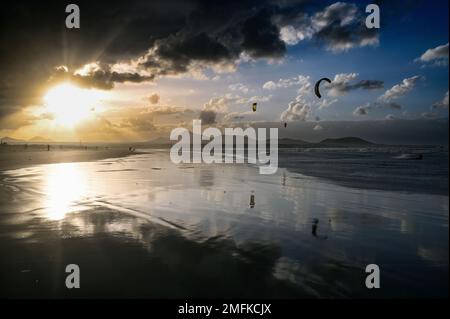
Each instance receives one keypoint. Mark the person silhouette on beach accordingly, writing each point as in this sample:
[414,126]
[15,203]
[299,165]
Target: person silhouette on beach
[252,201]
[315,225]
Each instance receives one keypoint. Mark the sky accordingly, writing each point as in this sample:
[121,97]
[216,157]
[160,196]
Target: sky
[135,70]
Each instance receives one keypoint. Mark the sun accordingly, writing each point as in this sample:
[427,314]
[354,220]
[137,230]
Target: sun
[70,104]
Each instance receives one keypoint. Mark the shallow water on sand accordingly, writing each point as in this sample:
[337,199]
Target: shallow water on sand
[141,226]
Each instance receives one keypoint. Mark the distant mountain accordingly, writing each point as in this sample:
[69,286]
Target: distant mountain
[40,139]
[7,139]
[159,141]
[345,141]
[290,141]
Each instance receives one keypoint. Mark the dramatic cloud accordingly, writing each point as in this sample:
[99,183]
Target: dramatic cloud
[298,110]
[137,40]
[95,75]
[132,41]
[261,36]
[341,26]
[342,83]
[220,103]
[400,90]
[437,55]
[291,36]
[208,117]
[34,42]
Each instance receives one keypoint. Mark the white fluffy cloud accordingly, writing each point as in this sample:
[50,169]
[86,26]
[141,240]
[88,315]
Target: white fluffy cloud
[220,103]
[304,104]
[386,100]
[400,90]
[339,83]
[291,35]
[239,87]
[437,55]
[298,110]
[300,80]
[443,104]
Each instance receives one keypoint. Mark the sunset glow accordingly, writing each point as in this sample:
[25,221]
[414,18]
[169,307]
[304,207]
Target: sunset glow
[70,104]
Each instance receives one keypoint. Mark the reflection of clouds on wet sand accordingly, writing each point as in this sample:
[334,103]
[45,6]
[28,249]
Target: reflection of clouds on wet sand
[121,255]
[296,234]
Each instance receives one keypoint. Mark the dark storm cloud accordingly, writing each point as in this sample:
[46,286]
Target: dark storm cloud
[174,54]
[218,32]
[167,35]
[208,117]
[261,36]
[368,85]
[340,37]
[343,87]
[162,37]
[342,26]
[34,40]
[102,78]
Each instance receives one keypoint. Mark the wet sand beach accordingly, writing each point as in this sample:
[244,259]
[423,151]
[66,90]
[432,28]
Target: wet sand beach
[141,226]
[18,156]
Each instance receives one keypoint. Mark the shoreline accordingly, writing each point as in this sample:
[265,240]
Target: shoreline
[18,157]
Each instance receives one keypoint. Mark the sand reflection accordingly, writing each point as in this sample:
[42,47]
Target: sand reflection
[65,186]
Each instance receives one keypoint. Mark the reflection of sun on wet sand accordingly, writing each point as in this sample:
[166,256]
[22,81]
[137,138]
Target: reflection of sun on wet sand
[16,156]
[142,226]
